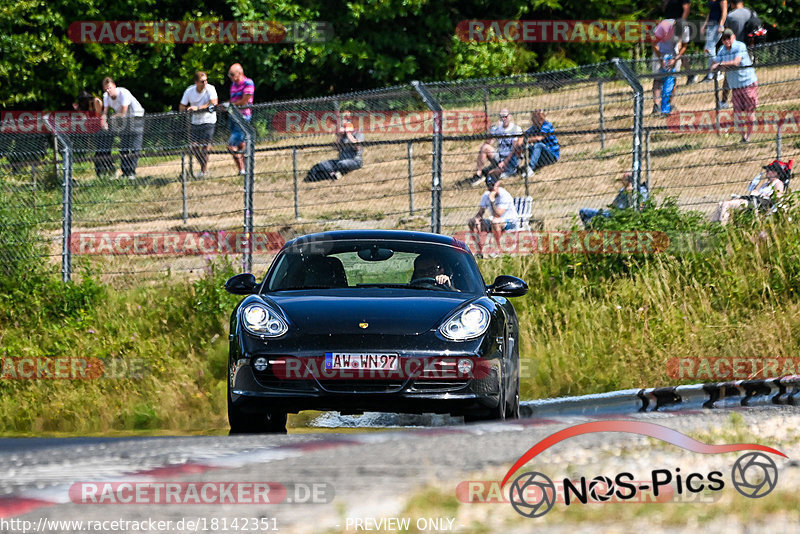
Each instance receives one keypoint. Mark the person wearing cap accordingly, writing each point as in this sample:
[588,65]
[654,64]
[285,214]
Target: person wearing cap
[499,204]
[503,161]
[778,175]
[623,200]
[743,81]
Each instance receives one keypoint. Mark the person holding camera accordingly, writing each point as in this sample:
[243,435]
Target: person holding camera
[201,99]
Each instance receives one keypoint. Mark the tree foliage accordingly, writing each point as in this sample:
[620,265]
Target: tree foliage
[375,43]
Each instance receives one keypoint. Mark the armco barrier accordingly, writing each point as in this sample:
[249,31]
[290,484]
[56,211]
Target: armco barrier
[763,392]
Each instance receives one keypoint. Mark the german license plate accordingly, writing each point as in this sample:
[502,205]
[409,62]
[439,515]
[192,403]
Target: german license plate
[368,361]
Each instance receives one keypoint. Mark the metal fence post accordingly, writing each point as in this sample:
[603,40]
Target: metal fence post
[647,158]
[66,210]
[601,105]
[410,179]
[436,153]
[183,188]
[249,181]
[638,119]
[296,189]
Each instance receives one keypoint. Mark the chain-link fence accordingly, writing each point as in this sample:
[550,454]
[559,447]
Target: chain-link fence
[148,195]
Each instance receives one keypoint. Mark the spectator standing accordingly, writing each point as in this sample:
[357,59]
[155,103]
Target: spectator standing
[503,160]
[500,206]
[678,10]
[671,40]
[93,107]
[712,28]
[199,98]
[127,121]
[743,81]
[349,143]
[242,93]
[736,21]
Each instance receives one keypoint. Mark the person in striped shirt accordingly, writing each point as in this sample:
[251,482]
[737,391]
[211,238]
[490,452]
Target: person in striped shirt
[543,147]
[242,91]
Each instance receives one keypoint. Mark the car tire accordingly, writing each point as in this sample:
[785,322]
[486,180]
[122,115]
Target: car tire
[512,407]
[268,422]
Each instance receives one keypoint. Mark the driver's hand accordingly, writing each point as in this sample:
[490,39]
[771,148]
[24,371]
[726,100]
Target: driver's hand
[442,279]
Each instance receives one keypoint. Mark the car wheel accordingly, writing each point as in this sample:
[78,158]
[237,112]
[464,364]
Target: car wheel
[512,408]
[268,422]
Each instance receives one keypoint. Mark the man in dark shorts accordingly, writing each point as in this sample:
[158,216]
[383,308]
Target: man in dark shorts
[197,98]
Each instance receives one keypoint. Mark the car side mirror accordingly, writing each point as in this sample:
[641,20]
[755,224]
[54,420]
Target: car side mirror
[508,286]
[242,284]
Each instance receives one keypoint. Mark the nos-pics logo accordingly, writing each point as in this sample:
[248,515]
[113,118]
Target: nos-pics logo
[533,494]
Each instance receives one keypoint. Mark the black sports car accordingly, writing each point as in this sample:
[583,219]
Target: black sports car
[372,320]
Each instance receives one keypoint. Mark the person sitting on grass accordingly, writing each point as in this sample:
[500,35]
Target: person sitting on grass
[764,198]
[503,161]
[623,200]
[500,205]
[542,143]
[348,142]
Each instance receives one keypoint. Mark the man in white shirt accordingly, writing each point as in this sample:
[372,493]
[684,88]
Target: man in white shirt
[500,205]
[128,121]
[197,98]
[497,157]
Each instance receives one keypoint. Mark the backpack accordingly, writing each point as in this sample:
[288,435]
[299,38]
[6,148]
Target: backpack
[754,30]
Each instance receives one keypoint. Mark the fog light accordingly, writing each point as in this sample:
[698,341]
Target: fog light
[464,366]
[260,364]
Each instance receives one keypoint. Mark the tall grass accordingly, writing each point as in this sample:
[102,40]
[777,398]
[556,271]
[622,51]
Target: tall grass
[167,346]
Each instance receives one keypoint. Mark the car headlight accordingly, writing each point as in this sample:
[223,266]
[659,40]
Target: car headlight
[262,320]
[468,323]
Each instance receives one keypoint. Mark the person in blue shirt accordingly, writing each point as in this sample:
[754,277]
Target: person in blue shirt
[733,58]
[543,147]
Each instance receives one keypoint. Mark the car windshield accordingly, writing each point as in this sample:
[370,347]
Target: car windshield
[375,263]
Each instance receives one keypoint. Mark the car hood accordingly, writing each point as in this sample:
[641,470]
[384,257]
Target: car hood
[406,312]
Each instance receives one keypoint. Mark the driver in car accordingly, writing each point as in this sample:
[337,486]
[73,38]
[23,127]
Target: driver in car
[427,266]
